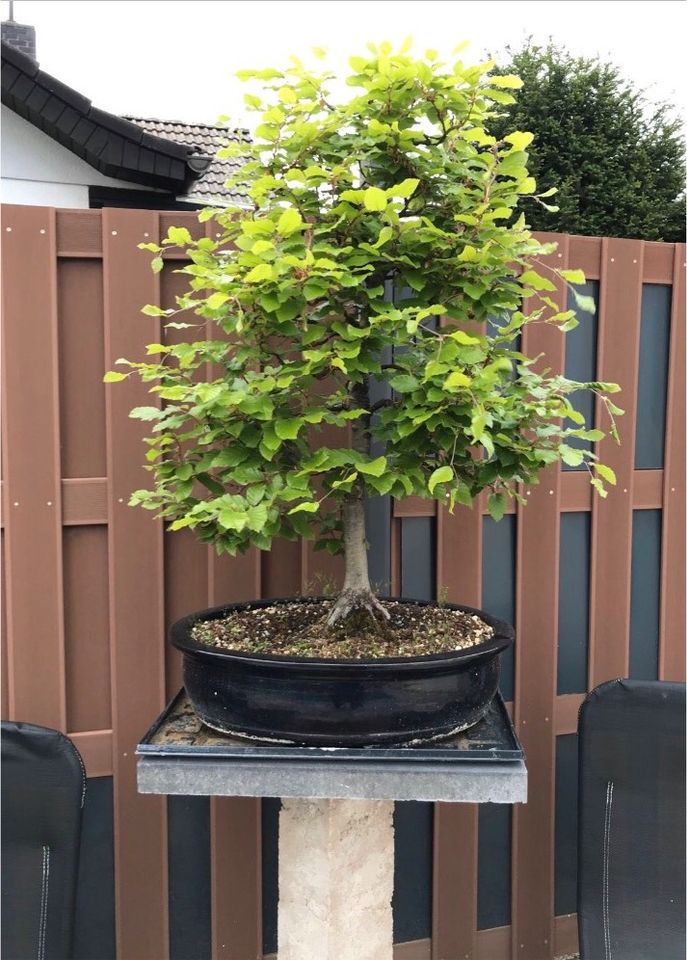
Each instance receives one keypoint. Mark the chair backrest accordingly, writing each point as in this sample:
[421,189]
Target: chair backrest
[43,791]
[631,838]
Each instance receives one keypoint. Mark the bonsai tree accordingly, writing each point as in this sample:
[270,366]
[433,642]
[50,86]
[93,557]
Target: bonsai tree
[402,185]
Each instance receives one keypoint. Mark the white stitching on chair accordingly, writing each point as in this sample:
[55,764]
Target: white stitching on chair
[606,859]
[43,918]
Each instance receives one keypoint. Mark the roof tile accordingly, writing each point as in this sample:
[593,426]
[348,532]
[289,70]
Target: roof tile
[205,139]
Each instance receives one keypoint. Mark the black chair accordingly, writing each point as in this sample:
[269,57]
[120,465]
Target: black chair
[631,839]
[43,791]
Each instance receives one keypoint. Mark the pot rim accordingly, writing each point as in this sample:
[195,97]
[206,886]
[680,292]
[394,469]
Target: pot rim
[180,637]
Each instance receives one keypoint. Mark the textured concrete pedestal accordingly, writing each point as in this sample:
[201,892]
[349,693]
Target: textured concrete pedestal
[336,878]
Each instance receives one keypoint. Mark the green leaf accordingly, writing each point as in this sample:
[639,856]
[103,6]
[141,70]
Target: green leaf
[606,472]
[288,429]
[232,519]
[156,264]
[404,383]
[507,82]
[456,380]
[385,234]
[440,475]
[256,517]
[309,506]
[287,95]
[146,413]
[571,456]
[216,300]
[375,199]
[585,303]
[599,487]
[114,376]
[375,468]
[520,139]
[477,425]
[150,310]
[496,505]
[179,236]
[263,271]
[573,276]
[181,523]
[404,189]
[536,281]
[465,338]
[289,221]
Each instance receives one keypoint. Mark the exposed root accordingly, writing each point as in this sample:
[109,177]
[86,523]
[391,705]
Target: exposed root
[363,602]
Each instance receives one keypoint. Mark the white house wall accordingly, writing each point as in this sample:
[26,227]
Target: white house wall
[38,171]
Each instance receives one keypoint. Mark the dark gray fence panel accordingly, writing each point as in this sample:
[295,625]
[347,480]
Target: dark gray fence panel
[645,602]
[573,602]
[652,382]
[494,866]
[498,583]
[565,888]
[188,832]
[94,929]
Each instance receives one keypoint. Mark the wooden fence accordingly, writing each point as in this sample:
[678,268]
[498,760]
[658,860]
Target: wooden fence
[90,584]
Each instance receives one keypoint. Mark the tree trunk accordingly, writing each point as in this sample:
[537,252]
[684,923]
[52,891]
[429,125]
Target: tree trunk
[357,593]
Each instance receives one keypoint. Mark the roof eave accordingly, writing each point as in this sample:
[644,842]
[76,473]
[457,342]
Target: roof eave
[115,147]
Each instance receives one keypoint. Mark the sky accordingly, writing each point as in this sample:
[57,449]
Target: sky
[176,59]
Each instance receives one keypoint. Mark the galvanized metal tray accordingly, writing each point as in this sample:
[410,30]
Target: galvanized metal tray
[178,732]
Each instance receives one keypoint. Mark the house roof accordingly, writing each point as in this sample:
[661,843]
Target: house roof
[204,139]
[115,146]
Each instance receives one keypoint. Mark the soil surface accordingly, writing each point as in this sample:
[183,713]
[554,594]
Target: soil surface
[300,629]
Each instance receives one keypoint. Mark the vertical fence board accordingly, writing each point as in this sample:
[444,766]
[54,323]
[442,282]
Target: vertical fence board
[672,632]
[236,822]
[136,601]
[454,893]
[32,490]
[535,677]
[619,326]
[186,558]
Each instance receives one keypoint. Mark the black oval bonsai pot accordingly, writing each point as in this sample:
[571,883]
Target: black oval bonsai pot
[339,703]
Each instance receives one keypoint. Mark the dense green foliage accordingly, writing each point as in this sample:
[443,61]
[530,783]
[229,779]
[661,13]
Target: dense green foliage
[618,163]
[402,182]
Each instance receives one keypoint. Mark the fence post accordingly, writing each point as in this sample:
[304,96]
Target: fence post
[535,674]
[136,594]
[672,646]
[31,447]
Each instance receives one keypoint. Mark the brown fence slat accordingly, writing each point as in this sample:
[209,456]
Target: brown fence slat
[584,253]
[235,822]
[620,305]
[95,747]
[454,879]
[672,635]
[535,676]
[31,453]
[136,604]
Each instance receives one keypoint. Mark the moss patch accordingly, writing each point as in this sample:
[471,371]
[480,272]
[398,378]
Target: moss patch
[300,629]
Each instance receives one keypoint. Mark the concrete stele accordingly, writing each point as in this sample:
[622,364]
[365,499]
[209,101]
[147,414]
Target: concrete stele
[336,877]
